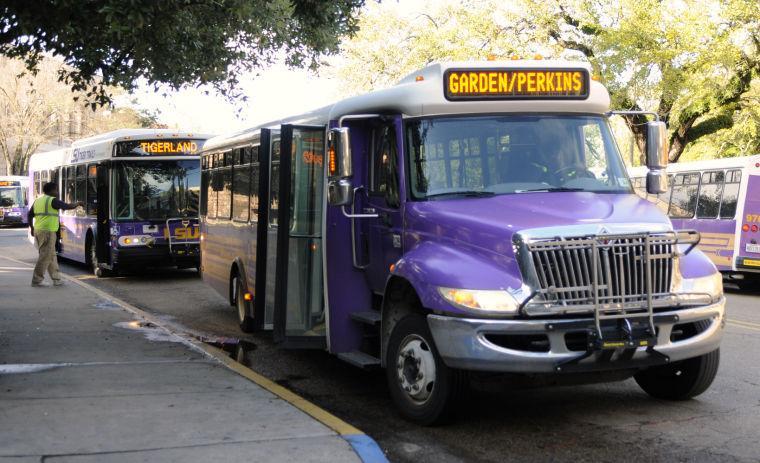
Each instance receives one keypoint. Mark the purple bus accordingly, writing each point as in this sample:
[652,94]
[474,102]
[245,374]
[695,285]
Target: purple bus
[140,188]
[719,198]
[476,218]
[14,202]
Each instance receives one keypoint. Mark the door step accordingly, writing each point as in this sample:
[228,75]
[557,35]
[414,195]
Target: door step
[369,317]
[359,359]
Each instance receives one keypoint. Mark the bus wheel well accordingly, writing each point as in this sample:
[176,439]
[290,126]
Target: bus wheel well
[400,300]
[234,273]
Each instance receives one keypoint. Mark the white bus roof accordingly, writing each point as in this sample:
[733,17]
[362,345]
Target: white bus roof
[99,147]
[711,164]
[421,93]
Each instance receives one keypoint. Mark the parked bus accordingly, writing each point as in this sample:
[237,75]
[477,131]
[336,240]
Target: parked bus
[476,217]
[140,188]
[721,199]
[14,202]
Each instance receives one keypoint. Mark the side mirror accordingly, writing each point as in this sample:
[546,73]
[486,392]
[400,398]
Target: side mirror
[657,182]
[657,145]
[339,170]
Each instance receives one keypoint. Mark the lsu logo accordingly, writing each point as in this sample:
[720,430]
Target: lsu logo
[187,233]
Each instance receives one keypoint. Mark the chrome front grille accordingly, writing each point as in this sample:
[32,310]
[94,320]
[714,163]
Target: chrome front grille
[603,272]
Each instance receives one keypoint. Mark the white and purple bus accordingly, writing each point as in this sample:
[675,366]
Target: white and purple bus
[721,199]
[14,199]
[476,218]
[140,188]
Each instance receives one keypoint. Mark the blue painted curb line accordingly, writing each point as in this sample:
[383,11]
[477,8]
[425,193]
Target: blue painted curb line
[366,448]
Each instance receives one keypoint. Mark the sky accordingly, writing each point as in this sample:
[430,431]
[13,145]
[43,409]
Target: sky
[273,93]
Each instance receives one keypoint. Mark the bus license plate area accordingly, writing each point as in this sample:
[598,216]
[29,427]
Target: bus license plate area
[754,248]
[622,334]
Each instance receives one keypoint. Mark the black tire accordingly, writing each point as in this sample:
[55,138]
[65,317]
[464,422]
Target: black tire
[681,380]
[243,307]
[431,403]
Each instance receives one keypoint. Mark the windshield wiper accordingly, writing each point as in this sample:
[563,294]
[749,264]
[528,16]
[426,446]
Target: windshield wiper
[549,190]
[469,193]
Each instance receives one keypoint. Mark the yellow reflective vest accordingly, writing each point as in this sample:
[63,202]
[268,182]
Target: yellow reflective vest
[45,217]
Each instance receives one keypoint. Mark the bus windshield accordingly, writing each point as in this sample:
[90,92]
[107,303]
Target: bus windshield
[150,190]
[510,154]
[10,197]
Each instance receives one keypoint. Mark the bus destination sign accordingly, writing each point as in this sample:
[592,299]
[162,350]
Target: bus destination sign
[145,148]
[515,84]
[10,183]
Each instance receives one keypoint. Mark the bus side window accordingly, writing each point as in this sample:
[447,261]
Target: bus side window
[683,200]
[274,184]
[70,186]
[730,194]
[203,206]
[92,190]
[213,187]
[384,165]
[81,188]
[254,201]
[709,195]
[241,185]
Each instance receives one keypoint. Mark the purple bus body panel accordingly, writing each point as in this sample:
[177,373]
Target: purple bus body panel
[717,241]
[751,207]
[73,236]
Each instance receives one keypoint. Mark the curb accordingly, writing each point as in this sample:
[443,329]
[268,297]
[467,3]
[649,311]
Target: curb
[364,446]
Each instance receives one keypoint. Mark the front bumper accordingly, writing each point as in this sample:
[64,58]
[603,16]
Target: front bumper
[462,342]
[158,255]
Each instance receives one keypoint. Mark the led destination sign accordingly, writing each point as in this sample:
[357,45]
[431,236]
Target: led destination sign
[151,148]
[505,84]
[10,183]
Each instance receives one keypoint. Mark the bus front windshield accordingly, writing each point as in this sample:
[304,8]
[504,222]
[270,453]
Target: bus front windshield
[151,190]
[510,154]
[10,197]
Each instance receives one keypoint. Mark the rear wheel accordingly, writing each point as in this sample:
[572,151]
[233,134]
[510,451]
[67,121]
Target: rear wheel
[243,307]
[681,380]
[423,388]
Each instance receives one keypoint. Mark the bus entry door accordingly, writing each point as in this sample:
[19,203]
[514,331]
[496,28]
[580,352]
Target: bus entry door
[381,236]
[103,229]
[299,315]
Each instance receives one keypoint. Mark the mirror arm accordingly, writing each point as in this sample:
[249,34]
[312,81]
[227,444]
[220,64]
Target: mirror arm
[633,113]
[355,116]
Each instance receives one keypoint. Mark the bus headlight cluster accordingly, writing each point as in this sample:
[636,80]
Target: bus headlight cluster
[498,301]
[703,289]
[136,240]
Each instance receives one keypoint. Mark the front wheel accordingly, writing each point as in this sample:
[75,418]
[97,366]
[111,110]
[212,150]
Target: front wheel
[244,318]
[423,388]
[681,380]
[92,260]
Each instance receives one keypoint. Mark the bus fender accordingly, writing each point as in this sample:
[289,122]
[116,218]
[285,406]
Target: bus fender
[239,267]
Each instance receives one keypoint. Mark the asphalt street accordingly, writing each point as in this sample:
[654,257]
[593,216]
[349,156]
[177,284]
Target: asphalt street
[608,422]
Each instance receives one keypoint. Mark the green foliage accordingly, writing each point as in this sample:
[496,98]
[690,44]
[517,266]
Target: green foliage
[691,61]
[176,42]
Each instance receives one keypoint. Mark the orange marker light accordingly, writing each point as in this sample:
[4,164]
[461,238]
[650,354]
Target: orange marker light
[248,297]
[333,163]
[745,227]
[595,78]
[538,56]
[419,78]
[514,57]
[393,267]
[491,58]
[313,246]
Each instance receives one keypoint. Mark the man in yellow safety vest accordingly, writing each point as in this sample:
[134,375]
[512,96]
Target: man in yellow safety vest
[43,222]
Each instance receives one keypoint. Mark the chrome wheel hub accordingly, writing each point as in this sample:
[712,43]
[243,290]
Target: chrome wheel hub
[415,368]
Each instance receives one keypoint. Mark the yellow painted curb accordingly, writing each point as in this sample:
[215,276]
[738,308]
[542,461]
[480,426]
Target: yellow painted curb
[321,415]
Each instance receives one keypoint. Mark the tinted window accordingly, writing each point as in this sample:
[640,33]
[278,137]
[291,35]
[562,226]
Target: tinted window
[274,184]
[205,178]
[241,190]
[710,193]
[254,203]
[224,194]
[730,194]
[384,165]
[683,200]
[92,190]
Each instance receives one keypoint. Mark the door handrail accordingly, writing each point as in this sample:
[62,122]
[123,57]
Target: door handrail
[353,218]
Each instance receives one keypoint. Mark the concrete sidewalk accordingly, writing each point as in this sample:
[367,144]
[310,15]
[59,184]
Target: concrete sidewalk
[82,380]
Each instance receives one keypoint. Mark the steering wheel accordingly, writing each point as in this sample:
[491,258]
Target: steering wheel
[565,174]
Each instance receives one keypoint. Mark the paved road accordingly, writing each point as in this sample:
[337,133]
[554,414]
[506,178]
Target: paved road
[609,422]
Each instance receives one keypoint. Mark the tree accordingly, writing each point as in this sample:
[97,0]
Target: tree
[691,62]
[39,109]
[175,42]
